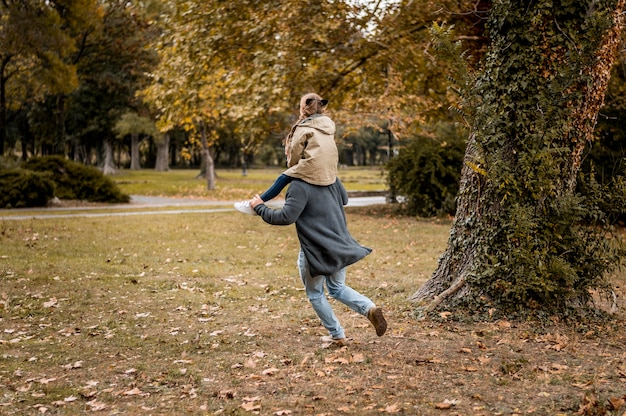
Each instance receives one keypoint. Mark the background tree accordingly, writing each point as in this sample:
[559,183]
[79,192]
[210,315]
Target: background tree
[521,237]
[36,41]
[133,125]
[607,155]
[112,66]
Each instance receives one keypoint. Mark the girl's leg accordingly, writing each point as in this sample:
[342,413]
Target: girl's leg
[279,184]
[314,288]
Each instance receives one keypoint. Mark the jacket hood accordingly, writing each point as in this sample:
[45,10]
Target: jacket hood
[319,122]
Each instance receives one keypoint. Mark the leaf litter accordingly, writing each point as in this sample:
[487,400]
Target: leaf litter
[243,341]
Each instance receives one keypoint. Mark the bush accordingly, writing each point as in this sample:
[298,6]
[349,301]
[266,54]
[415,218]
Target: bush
[76,181]
[23,188]
[426,173]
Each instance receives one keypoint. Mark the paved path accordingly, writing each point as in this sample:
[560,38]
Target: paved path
[138,202]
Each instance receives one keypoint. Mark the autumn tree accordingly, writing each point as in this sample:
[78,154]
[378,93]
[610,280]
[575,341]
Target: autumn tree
[225,61]
[112,65]
[522,238]
[133,125]
[395,81]
[36,41]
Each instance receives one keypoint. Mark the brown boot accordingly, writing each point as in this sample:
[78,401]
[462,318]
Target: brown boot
[375,315]
[340,342]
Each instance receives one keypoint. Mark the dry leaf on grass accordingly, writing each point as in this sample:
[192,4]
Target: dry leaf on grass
[270,371]
[447,404]
[96,406]
[250,404]
[393,408]
[133,392]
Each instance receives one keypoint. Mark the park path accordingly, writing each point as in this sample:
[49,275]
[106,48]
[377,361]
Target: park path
[146,205]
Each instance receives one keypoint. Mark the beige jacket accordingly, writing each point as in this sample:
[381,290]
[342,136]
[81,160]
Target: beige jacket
[312,153]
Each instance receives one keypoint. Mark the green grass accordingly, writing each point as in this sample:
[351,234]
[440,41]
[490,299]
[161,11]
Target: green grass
[164,303]
[204,313]
[230,184]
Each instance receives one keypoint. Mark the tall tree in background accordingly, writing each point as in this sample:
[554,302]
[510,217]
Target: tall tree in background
[223,61]
[112,66]
[36,42]
[395,81]
[521,237]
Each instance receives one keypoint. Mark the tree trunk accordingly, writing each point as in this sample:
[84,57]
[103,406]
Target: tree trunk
[162,157]
[537,99]
[208,164]
[109,164]
[3,103]
[210,171]
[60,142]
[134,152]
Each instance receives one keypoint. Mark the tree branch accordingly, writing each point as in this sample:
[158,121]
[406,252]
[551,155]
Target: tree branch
[446,293]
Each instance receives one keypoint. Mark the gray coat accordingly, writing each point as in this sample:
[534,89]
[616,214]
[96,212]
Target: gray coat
[320,223]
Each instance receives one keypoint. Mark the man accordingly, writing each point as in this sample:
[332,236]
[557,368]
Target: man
[326,249]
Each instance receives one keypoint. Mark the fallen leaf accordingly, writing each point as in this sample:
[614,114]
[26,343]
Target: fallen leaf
[133,392]
[226,394]
[96,406]
[250,404]
[358,358]
[394,408]
[616,403]
[447,404]
[24,388]
[51,303]
[443,406]
[270,371]
[74,365]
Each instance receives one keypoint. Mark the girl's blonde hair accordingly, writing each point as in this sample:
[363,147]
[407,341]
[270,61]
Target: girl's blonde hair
[314,107]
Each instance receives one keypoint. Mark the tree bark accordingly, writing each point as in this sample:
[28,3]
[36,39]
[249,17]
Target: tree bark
[134,152]
[208,164]
[3,102]
[109,164]
[162,158]
[481,200]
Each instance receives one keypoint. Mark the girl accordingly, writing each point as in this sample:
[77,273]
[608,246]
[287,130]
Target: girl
[310,149]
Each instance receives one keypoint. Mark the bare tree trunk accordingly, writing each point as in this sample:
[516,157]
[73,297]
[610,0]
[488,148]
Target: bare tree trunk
[481,199]
[162,159]
[210,171]
[134,152]
[207,167]
[109,163]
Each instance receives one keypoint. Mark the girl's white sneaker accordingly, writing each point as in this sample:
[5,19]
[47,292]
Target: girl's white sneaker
[244,206]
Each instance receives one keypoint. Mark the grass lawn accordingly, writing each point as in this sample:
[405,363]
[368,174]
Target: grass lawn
[231,184]
[196,314]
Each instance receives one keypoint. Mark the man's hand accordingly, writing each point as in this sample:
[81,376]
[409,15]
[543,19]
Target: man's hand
[256,201]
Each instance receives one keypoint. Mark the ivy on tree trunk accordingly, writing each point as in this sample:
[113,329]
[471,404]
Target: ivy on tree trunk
[521,238]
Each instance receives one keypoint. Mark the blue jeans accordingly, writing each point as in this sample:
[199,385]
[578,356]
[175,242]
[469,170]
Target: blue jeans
[336,284]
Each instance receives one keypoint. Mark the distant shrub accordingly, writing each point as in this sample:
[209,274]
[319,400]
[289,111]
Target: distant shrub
[9,162]
[426,173]
[77,181]
[23,188]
